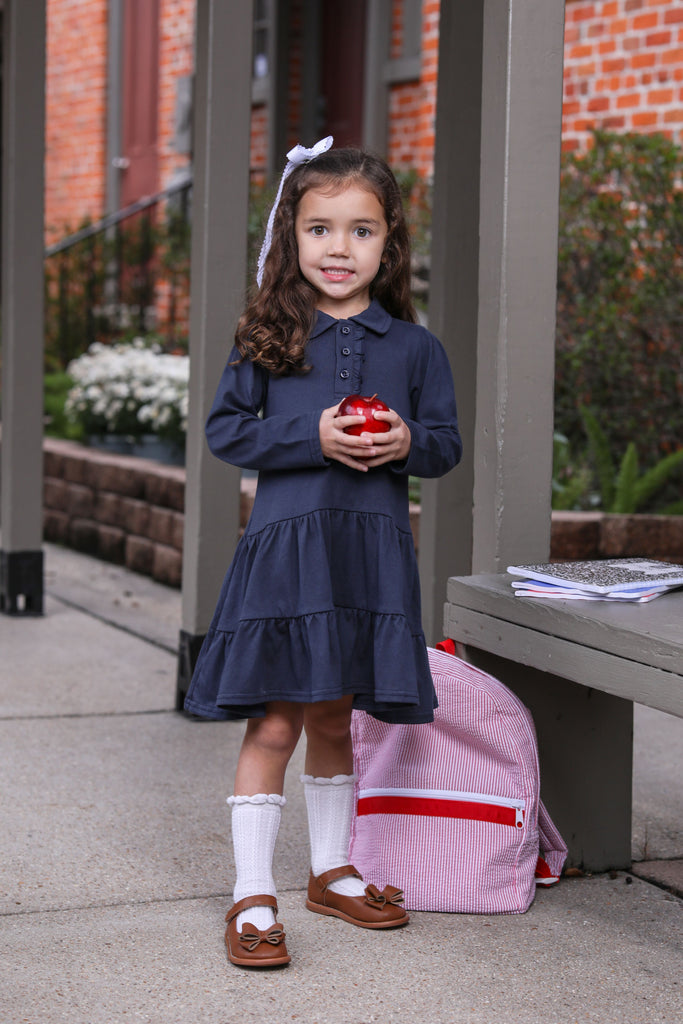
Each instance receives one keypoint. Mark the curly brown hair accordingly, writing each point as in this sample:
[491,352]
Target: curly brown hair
[277,322]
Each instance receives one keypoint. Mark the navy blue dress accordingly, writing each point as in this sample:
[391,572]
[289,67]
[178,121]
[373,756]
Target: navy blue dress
[322,597]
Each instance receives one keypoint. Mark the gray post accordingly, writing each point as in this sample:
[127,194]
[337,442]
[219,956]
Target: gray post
[218,273]
[375,101]
[591,802]
[114,102]
[21,476]
[493,280]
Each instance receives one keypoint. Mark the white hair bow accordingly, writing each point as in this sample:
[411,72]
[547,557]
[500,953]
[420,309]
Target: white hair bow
[296,156]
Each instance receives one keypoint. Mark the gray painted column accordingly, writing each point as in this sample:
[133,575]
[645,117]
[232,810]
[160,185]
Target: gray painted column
[218,272]
[493,281]
[375,99]
[114,103]
[585,749]
[21,465]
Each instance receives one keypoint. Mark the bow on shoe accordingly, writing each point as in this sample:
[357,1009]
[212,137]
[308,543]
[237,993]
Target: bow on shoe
[389,894]
[274,935]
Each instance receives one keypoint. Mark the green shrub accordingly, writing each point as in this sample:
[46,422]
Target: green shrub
[571,483]
[624,489]
[620,295]
[74,298]
[119,284]
[57,422]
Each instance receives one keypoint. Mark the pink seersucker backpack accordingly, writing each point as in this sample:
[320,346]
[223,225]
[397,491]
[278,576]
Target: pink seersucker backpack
[450,811]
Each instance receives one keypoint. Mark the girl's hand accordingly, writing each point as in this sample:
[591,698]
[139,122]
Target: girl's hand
[368,450]
[394,445]
[347,448]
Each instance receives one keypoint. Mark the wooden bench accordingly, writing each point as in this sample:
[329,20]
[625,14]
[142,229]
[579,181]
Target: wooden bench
[579,666]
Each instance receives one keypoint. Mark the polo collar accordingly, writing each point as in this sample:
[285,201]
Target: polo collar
[375,318]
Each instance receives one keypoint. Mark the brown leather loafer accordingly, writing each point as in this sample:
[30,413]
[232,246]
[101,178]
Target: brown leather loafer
[252,947]
[374,909]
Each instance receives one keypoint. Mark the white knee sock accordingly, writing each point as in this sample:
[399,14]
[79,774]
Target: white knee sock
[255,824]
[330,809]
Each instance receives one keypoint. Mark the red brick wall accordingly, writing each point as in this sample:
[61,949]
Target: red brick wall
[430,67]
[623,71]
[75,166]
[76,90]
[623,68]
[259,142]
[412,105]
[176,60]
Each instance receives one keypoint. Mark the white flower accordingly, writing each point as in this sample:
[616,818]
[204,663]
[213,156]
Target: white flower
[123,388]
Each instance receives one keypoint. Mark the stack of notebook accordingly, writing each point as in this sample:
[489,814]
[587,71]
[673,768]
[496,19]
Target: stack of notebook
[615,579]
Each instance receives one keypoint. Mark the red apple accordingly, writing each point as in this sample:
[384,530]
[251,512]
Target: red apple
[361,405]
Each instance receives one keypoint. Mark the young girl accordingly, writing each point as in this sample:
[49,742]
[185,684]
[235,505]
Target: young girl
[320,610]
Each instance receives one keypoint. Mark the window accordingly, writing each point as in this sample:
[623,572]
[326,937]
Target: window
[262,36]
[406,67]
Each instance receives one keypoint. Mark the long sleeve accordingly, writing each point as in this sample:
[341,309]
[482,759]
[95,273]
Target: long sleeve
[436,446]
[236,433]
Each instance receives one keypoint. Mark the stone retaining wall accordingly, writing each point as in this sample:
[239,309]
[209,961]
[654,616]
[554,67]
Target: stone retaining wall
[584,535]
[116,507]
[130,511]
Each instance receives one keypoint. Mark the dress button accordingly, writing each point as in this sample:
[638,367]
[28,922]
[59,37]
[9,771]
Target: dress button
[346,351]
[344,374]
[346,330]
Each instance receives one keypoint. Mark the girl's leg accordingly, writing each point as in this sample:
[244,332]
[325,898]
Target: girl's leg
[267,747]
[328,737]
[256,806]
[329,789]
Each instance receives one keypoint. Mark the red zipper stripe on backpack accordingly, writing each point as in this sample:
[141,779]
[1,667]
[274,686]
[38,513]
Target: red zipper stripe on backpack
[433,807]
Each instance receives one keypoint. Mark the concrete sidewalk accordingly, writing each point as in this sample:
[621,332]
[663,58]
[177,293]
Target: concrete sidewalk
[116,868]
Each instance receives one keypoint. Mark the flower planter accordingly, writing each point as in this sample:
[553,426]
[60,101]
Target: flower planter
[131,399]
[149,446]
[591,535]
[115,444]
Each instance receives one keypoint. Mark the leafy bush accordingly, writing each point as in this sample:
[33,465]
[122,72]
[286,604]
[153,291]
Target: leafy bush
[57,424]
[261,199]
[620,299]
[572,479]
[625,489]
[118,284]
[74,300]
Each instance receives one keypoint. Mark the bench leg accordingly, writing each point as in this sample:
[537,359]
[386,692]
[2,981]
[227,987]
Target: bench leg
[585,742]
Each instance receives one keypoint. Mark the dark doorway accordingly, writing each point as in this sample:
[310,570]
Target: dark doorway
[342,62]
[139,133]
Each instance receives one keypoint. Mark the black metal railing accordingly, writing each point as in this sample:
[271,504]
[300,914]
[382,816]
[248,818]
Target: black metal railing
[126,275]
